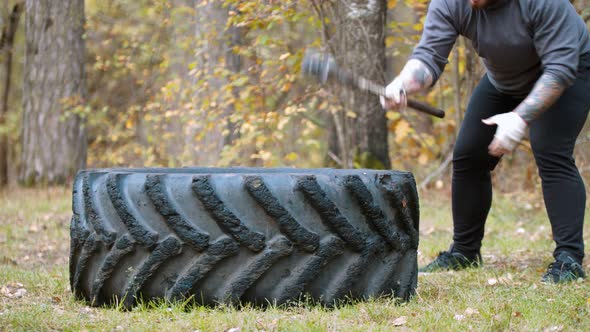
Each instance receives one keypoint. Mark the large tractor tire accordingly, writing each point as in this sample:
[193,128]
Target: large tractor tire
[243,235]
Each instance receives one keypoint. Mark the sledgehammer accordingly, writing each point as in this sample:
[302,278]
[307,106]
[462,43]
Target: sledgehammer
[323,67]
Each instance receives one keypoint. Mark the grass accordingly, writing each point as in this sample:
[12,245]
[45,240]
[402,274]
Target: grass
[505,295]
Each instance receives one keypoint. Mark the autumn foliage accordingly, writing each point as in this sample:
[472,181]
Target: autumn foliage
[197,82]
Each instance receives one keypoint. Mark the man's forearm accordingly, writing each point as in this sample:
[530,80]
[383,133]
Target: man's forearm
[416,76]
[545,93]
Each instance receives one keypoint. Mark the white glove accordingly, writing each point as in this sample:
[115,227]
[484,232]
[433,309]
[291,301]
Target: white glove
[510,131]
[395,95]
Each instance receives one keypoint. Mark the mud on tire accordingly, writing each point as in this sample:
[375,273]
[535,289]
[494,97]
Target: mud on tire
[243,235]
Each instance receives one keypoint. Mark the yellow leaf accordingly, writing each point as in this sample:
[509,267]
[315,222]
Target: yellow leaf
[286,87]
[402,130]
[391,4]
[291,156]
[389,41]
[284,56]
[351,114]
[423,159]
[392,115]
[282,123]
[129,124]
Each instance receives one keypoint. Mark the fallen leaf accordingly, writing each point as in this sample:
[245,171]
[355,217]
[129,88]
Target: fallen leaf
[19,293]
[13,290]
[8,261]
[427,231]
[439,184]
[86,310]
[517,314]
[506,280]
[400,321]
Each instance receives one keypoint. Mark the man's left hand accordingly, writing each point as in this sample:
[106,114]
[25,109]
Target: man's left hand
[510,131]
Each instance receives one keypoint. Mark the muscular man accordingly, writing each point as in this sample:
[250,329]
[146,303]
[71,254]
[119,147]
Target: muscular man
[537,56]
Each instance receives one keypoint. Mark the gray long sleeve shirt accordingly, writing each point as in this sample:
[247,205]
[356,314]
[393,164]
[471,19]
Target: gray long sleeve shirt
[518,40]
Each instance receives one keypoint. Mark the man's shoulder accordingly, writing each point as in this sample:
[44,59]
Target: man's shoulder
[544,5]
[448,4]
[450,7]
[456,10]
[541,10]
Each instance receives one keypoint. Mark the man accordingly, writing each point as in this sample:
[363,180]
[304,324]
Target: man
[537,56]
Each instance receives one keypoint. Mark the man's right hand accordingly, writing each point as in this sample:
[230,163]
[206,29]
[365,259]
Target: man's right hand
[413,78]
[395,96]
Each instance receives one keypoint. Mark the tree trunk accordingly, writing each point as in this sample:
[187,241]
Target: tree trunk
[6,49]
[54,139]
[360,47]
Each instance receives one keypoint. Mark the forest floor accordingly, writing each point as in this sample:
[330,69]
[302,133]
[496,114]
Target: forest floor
[504,295]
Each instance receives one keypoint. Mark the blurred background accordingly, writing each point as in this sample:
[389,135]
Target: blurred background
[174,83]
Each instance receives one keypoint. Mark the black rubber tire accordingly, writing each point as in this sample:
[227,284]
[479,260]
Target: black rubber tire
[243,235]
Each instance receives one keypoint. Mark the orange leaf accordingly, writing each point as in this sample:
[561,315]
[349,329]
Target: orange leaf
[402,130]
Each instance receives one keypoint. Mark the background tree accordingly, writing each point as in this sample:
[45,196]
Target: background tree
[6,51]
[54,140]
[217,83]
[359,42]
[354,31]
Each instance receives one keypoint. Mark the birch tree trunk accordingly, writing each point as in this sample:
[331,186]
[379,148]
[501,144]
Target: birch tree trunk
[53,139]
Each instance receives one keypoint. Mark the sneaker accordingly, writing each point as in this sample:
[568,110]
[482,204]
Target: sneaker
[447,261]
[564,269]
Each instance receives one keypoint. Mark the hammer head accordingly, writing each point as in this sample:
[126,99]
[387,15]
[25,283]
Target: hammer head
[320,66]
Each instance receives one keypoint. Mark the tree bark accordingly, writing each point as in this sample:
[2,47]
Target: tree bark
[360,47]
[54,139]
[6,49]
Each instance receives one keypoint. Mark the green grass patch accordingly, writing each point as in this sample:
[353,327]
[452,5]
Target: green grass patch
[504,295]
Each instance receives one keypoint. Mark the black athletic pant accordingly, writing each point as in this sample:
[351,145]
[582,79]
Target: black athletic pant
[553,136]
